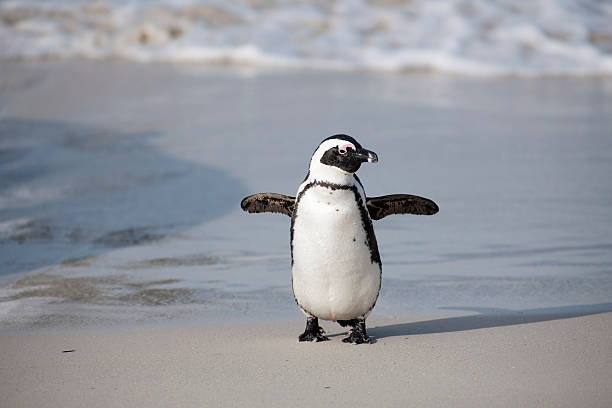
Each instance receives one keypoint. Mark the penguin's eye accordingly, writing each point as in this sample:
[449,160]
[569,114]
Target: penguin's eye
[345,147]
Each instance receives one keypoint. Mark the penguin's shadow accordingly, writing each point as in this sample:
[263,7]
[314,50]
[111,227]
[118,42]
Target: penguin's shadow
[486,318]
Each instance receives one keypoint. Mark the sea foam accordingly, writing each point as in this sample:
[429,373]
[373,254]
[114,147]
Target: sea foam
[478,37]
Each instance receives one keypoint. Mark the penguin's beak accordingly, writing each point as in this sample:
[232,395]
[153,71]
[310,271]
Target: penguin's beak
[366,156]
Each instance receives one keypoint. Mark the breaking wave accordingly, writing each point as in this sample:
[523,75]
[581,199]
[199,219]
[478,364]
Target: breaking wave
[477,37]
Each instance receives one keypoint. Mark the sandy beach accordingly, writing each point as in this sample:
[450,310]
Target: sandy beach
[129,276]
[457,362]
[131,131]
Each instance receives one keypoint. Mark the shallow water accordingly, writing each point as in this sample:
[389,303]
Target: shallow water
[120,205]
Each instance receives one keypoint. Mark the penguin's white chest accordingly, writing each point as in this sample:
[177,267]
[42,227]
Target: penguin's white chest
[334,277]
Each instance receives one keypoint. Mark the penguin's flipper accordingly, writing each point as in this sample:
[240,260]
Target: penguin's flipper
[268,202]
[380,207]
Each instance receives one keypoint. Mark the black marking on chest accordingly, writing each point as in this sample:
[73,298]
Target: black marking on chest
[365,219]
[299,197]
[368,227]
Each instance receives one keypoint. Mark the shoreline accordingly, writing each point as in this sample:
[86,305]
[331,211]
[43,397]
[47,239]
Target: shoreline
[92,229]
[443,362]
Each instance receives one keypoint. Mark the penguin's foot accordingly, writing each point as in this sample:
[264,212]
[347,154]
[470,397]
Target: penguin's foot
[357,334]
[313,331]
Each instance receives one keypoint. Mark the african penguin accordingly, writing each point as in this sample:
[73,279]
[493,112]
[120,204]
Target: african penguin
[335,263]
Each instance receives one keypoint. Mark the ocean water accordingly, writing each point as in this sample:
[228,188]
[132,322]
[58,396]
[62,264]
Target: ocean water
[476,37]
[119,204]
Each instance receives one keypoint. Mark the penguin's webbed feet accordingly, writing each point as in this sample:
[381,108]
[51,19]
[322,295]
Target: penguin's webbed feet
[313,331]
[357,334]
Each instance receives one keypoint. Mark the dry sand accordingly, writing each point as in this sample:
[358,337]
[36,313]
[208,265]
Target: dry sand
[457,362]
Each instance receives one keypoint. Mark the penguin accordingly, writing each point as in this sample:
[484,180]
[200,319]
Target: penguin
[335,263]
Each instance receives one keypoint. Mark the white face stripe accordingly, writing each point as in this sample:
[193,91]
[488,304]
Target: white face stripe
[328,144]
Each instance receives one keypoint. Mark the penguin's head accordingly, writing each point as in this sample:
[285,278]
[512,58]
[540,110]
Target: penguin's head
[340,154]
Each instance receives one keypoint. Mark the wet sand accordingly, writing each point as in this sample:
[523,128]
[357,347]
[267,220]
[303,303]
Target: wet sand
[446,362]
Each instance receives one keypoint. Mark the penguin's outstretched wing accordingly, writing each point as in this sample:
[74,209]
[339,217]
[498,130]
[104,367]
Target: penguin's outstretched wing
[268,202]
[380,207]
